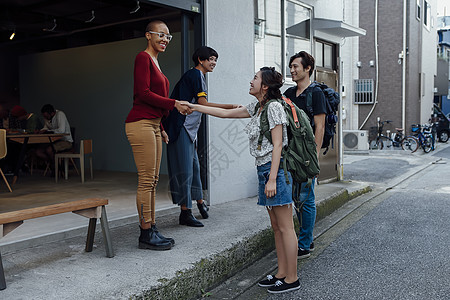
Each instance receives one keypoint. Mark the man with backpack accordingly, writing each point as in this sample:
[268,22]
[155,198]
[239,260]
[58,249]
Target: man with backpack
[301,67]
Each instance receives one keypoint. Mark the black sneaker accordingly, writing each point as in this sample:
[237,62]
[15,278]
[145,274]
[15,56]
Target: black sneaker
[302,253]
[269,281]
[311,247]
[281,287]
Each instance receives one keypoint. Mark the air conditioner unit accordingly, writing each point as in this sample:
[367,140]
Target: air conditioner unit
[356,140]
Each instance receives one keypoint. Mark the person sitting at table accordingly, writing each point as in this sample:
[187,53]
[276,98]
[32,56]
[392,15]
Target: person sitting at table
[7,120]
[56,122]
[4,117]
[28,122]
[31,121]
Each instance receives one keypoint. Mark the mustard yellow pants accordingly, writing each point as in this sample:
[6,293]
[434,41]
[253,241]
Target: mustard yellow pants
[145,140]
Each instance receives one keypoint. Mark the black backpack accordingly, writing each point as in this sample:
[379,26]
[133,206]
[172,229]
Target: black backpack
[331,118]
[300,154]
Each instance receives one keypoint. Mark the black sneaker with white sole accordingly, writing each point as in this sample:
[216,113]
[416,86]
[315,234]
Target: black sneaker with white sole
[311,247]
[302,253]
[281,287]
[269,281]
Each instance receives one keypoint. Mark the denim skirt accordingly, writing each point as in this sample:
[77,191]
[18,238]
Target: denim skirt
[284,190]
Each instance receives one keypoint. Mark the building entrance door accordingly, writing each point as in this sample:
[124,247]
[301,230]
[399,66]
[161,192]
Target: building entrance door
[328,163]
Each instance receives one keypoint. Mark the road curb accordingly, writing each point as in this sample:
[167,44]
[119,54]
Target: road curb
[330,204]
[210,272]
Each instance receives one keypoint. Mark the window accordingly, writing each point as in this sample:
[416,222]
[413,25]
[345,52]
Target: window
[325,55]
[422,84]
[419,11]
[275,43]
[448,68]
[319,54]
[328,56]
[427,15]
[298,30]
[363,91]
[268,40]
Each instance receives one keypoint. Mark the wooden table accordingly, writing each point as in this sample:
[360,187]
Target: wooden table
[31,138]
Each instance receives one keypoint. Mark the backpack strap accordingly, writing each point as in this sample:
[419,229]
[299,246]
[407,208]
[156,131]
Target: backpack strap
[309,101]
[294,112]
[265,131]
[297,125]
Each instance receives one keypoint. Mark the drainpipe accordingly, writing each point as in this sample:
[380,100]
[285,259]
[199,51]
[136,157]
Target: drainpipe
[340,165]
[404,70]
[376,67]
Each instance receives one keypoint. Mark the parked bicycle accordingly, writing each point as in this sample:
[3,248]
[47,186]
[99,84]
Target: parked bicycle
[425,137]
[407,143]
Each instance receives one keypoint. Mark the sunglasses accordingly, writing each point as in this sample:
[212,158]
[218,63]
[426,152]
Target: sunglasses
[162,35]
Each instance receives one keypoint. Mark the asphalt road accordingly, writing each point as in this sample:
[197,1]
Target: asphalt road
[394,246]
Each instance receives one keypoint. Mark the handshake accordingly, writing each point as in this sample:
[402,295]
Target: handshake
[184,107]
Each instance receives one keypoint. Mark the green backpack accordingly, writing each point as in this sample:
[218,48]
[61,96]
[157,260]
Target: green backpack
[300,155]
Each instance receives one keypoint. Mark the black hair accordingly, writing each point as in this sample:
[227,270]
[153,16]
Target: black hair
[47,108]
[306,60]
[202,53]
[274,81]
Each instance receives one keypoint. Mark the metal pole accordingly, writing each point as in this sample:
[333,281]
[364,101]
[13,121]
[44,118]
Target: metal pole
[184,43]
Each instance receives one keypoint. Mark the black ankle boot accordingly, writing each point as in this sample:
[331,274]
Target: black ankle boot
[187,218]
[149,240]
[155,230]
[203,208]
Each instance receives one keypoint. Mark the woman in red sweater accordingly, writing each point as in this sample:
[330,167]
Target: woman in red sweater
[143,129]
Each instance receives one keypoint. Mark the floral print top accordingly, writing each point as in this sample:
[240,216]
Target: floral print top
[275,116]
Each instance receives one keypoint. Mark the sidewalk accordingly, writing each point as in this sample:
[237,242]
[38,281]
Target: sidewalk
[236,234]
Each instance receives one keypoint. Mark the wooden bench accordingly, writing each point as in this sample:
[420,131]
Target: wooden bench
[92,208]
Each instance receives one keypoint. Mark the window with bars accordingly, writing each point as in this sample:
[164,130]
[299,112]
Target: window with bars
[363,91]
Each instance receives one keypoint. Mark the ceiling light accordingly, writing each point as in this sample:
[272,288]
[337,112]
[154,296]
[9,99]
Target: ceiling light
[53,28]
[12,35]
[91,19]
[136,9]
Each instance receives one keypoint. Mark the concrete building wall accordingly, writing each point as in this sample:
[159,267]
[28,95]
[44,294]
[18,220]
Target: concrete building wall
[366,52]
[327,9]
[389,33]
[429,63]
[421,65]
[442,82]
[413,67]
[229,30]
[349,58]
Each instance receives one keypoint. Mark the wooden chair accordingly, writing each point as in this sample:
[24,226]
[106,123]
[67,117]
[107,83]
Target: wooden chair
[3,152]
[47,169]
[85,149]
